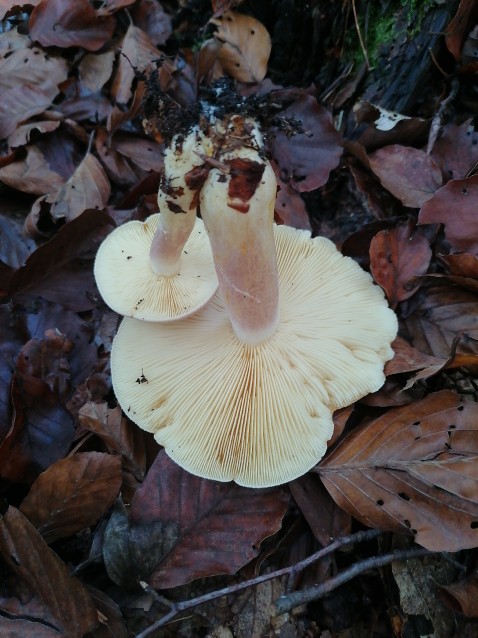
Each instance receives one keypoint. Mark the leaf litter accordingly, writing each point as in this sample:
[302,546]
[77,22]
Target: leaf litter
[89,93]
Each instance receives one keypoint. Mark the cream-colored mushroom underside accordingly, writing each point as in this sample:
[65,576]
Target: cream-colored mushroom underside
[259,415]
[129,285]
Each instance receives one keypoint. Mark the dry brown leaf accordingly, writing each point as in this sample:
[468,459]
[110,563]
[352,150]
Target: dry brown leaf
[72,494]
[462,596]
[289,206]
[26,619]
[245,46]
[111,6]
[456,150]
[22,134]
[118,434]
[150,16]
[118,168]
[439,316]
[27,555]
[95,70]
[88,187]
[408,359]
[137,52]
[70,23]
[455,206]
[414,469]
[408,173]
[184,527]
[32,174]
[397,256]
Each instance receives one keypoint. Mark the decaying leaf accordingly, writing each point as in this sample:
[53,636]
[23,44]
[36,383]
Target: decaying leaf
[245,46]
[72,494]
[88,187]
[397,256]
[456,150]
[461,230]
[70,23]
[308,152]
[414,469]
[184,527]
[65,598]
[462,596]
[408,173]
[32,174]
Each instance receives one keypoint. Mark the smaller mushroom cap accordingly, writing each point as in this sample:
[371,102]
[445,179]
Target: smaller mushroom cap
[129,285]
[259,414]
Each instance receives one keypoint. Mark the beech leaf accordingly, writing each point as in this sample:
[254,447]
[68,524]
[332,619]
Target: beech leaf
[408,173]
[27,555]
[70,23]
[73,494]
[193,527]
[88,187]
[397,255]
[414,469]
[245,46]
[457,196]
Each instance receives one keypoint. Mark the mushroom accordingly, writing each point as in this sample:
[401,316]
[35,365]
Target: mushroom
[162,269]
[244,390]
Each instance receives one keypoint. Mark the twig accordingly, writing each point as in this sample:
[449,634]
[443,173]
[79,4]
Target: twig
[176,608]
[297,598]
[362,45]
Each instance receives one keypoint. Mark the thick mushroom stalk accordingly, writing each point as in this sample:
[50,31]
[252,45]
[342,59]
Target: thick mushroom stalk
[241,232]
[177,203]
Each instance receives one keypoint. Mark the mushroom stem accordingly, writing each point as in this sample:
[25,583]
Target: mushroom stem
[177,203]
[168,242]
[242,241]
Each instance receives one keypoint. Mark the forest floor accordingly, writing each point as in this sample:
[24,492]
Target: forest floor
[368,112]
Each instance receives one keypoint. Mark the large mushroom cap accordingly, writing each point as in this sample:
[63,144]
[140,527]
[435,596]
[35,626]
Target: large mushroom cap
[128,284]
[259,415]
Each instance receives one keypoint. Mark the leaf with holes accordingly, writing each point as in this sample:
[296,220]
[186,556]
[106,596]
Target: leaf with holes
[414,469]
[245,46]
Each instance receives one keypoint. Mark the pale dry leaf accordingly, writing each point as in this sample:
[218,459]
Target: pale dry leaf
[32,174]
[137,52]
[95,70]
[88,187]
[22,134]
[245,46]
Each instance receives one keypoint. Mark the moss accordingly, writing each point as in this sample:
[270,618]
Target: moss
[379,29]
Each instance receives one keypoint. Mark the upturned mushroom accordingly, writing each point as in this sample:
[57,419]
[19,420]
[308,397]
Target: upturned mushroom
[162,269]
[244,390]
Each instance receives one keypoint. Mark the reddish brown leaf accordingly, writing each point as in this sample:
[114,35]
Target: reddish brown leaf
[464,265]
[119,434]
[289,206]
[145,153]
[111,6]
[73,494]
[27,619]
[397,255]
[88,187]
[189,527]
[244,46]
[305,159]
[118,167]
[458,27]
[462,596]
[32,174]
[66,599]
[408,359]
[95,70]
[325,518]
[456,150]
[23,134]
[439,316]
[150,16]
[408,173]
[455,206]
[40,272]
[70,23]
[413,469]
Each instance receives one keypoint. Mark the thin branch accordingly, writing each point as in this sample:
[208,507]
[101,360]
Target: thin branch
[176,608]
[297,598]
[362,45]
